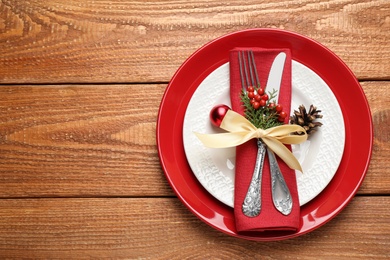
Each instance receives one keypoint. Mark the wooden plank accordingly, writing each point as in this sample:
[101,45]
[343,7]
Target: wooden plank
[115,41]
[87,141]
[80,141]
[378,97]
[162,228]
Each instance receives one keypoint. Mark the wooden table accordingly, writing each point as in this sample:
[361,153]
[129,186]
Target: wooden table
[82,82]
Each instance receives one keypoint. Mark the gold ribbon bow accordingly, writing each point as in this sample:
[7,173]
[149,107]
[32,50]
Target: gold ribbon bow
[240,130]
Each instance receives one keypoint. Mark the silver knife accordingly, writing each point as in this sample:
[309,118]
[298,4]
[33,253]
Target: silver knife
[275,74]
[281,195]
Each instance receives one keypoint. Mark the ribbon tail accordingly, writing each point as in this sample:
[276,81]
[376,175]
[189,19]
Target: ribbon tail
[224,140]
[284,134]
[284,153]
[292,139]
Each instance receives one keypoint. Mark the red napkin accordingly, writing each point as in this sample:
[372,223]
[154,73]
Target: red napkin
[269,218]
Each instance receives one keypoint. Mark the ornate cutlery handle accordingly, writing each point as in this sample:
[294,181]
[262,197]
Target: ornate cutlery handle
[281,195]
[252,203]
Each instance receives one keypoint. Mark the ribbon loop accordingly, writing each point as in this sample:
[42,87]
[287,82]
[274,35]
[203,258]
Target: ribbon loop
[240,130]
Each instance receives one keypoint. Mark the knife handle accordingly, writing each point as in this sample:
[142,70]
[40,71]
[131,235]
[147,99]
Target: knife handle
[281,195]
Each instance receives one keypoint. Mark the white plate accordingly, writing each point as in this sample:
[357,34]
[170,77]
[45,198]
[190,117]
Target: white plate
[319,156]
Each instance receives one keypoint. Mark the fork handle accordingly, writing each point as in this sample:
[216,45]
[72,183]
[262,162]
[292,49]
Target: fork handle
[252,203]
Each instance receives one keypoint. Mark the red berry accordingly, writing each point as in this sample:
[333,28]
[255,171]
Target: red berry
[283,114]
[278,108]
[217,114]
[256,105]
[264,97]
[251,89]
[252,101]
[260,91]
[257,97]
[251,94]
[271,105]
[262,102]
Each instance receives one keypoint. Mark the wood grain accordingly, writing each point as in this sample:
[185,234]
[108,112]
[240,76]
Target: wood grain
[81,83]
[137,41]
[99,140]
[80,141]
[162,228]
[378,97]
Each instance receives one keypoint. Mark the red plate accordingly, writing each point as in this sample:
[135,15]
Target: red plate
[357,118]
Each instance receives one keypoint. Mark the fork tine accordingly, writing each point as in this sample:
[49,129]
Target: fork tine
[240,61]
[248,70]
[251,72]
[257,83]
[245,71]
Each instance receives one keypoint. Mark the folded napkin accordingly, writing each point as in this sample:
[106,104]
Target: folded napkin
[269,218]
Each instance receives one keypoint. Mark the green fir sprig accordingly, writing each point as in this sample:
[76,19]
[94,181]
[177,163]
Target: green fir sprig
[263,117]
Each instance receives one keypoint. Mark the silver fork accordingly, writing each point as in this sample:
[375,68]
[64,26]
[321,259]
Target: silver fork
[280,193]
[251,206]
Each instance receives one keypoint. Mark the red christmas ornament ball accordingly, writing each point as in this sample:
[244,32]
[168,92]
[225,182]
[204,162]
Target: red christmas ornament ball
[217,114]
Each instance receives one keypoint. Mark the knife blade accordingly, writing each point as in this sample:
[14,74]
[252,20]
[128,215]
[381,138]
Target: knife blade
[275,74]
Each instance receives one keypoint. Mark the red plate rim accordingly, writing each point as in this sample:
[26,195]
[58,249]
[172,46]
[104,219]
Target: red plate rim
[340,79]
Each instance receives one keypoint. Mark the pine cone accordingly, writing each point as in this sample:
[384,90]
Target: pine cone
[306,120]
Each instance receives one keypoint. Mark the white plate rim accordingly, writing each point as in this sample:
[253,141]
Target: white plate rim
[331,136]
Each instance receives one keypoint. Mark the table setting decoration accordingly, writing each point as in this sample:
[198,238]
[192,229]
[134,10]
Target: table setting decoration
[262,116]
[261,135]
